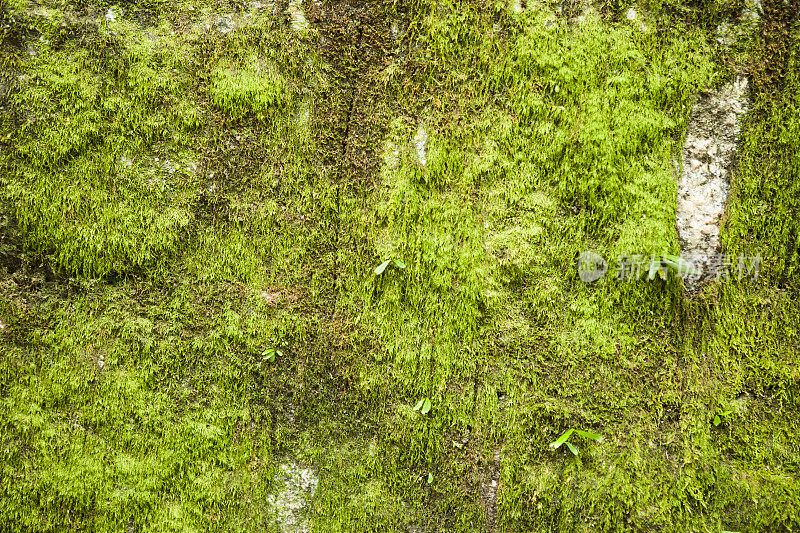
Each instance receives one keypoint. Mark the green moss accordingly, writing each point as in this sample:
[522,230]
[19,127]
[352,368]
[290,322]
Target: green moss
[756,334]
[149,403]
[251,88]
[122,430]
[93,174]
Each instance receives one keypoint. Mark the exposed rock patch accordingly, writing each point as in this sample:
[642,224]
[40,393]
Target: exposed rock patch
[708,155]
[728,32]
[421,145]
[489,491]
[291,503]
[707,158]
[298,17]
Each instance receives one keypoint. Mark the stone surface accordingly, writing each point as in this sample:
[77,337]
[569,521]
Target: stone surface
[291,503]
[421,144]
[714,126]
[298,17]
[729,33]
[708,153]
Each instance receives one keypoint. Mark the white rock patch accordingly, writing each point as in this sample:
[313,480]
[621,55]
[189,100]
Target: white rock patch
[290,504]
[714,127]
[299,21]
[421,144]
[713,131]
[111,15]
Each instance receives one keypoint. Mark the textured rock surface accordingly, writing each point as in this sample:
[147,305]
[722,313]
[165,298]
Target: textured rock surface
[146,399]
[707,157]
[291,503]
[421,144]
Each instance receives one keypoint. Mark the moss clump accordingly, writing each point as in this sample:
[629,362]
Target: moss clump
[251,88]
[265,216]
[135,423]
[150,403]
[98,174]
[756,326]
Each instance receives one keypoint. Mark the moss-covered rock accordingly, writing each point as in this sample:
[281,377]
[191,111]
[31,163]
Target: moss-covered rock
[196,196]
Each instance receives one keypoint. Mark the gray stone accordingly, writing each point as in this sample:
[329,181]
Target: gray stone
[290,505]
[421,144]
[703,188]
[224,25]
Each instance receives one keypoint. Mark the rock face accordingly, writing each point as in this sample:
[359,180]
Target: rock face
[711,138]
[290,504]
[297,16]
[421,144]
[708,153]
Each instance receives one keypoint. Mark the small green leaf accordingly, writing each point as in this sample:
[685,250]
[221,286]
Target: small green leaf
[562,439]
[399,264]
[430,478]
[717,420]
[269,354]
[380,268]
[589,435]
[672,265]
[426,406]
[572,448]
[419,404]
[654,266]
[680,265]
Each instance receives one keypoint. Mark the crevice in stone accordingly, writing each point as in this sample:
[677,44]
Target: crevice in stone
[341,30]
[355,40]
[353,98]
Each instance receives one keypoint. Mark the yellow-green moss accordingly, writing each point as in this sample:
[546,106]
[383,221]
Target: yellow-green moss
[149,403]
[250,88]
